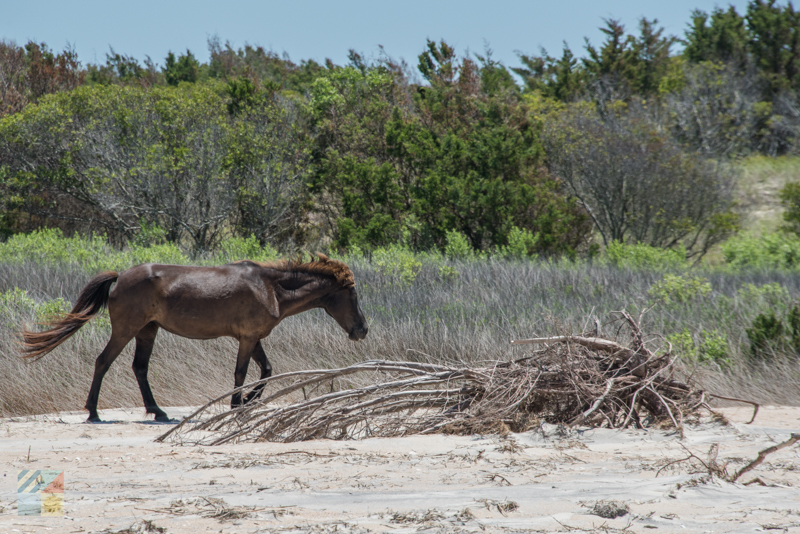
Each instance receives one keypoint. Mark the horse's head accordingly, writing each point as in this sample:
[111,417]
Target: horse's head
[342,305]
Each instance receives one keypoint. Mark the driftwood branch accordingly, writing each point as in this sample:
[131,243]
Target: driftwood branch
[755,405]
[572,380]
[763,454]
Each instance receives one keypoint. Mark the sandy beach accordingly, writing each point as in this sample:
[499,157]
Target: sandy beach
[548,480]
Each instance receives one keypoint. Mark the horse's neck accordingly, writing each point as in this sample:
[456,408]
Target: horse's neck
[305,297]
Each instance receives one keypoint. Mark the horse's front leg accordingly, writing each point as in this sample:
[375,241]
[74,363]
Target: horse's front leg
[260,357]
[246,347]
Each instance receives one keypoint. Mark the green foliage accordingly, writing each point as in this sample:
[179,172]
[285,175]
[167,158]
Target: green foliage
[93,254]
[560,79]
[712,347]
[679,289]
[722,39]
[764,297]
[52,309]
[765,335]
[49,246]
[793,319]
[448,273]
[775,42]
[644,257]
[790,198]
[238,248]
[521,244]
[770,251]
[171,158]
[640,61]
[459,155]
[262,66]
[184,69]
[458,246]
[398,263]
[14,299]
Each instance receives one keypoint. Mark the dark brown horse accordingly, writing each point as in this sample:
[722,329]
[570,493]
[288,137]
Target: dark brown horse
[243,300]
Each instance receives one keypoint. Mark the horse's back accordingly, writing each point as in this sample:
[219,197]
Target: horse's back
[199,302]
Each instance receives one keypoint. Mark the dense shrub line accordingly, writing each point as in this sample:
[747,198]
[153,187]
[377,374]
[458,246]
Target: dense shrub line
[633,143]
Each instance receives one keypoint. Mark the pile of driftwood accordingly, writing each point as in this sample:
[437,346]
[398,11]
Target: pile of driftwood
[572,380]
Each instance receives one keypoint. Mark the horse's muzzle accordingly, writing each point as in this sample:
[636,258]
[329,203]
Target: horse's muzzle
[357,334]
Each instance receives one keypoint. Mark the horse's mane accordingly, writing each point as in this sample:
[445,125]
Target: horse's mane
[322,265]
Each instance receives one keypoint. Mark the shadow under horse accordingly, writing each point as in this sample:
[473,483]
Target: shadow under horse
[244,300]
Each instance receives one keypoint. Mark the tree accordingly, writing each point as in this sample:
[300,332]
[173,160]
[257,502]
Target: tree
[561,79]
[637,185]
[185,69]
[723,39]
[458,154]
[258,64]
[30,72]
[172,158]
[637,62]
[123,69]
[775,42]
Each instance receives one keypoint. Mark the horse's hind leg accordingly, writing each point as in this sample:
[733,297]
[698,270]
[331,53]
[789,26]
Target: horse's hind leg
[141,360]
[260,357]
[101,365]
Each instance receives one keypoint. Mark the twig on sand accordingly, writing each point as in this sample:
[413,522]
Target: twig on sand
[794,438]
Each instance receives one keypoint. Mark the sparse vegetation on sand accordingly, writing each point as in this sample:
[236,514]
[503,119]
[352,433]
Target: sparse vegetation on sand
[428,308]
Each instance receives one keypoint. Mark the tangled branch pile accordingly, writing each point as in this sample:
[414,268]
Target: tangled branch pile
[572,380]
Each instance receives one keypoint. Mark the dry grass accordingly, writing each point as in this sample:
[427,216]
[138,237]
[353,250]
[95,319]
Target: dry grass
[462,320]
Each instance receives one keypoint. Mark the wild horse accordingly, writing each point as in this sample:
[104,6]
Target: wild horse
[243,300]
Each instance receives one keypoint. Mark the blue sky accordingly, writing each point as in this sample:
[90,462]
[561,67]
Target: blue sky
[328,29]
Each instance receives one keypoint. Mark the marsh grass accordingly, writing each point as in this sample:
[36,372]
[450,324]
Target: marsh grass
[450,312]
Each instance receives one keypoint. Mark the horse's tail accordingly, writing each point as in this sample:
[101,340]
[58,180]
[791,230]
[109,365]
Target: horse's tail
[92,299]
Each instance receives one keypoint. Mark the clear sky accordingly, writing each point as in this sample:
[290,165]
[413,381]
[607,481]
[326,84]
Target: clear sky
[319,29]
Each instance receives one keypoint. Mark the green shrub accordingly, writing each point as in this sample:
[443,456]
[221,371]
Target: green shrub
[239,248]
[794,326]
[52,309]
[645,257]
[15,299]
[521,244]
[458,246]
[49,246]
[712,348]
[397,262]
[772,296]
[683,344]
[765,335]
[448,273]
[778,250]
[679,288]
[167,253]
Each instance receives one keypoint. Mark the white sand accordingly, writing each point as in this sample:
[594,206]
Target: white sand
[116,477]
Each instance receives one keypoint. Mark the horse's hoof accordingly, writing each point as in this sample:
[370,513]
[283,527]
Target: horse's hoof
[94,420]
[164,419]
